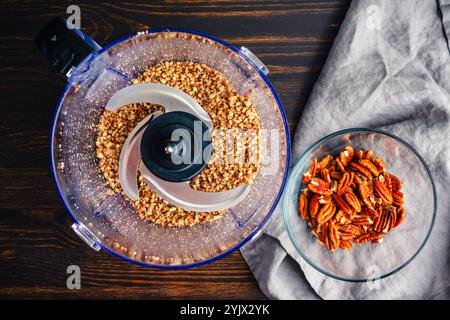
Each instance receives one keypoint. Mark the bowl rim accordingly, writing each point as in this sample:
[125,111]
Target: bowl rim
[256,231]
[290,184]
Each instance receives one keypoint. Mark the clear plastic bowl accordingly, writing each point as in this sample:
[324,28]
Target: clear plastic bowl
[109,222]
[402,244]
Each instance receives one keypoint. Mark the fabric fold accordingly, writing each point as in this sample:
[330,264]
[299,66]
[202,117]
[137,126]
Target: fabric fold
[389,68]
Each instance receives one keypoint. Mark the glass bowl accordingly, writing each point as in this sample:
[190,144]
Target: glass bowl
[402,244]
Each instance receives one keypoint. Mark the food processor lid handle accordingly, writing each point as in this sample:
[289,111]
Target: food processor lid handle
[64,45]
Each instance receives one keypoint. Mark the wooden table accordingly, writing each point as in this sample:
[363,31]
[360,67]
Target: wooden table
[37,244]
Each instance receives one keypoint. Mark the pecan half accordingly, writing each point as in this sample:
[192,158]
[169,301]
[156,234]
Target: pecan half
[347,235]
[398,198]
[320,186]
[368,154]
[319,236]
[392,217]
[340,165]
[361,169]
[387,181]
[362,221]
[359,154]
[371,213]
[364,190]
[332,240]
[314,205]
[341,204]
[362,238]
[369,166]
[353,201]
[351,229]
[382,223]
[379,163]
[357,179]
[325,175]
[323,199]
[310,173]
[326,213]
[313,224]
[401,214]
[338,215]
[376,237]
[325,161]
[345,244]
[383,192]
[344,183]
[397,184]
[335,175]
[346,155]
[303,206]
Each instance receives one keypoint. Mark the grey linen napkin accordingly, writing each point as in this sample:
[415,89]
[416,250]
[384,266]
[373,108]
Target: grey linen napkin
[389,68]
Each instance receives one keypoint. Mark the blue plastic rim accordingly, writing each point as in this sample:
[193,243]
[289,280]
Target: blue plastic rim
[291,183]
[285,175]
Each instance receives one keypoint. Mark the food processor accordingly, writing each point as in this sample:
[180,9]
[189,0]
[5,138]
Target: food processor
[100,78]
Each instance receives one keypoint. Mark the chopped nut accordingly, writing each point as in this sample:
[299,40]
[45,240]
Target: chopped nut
[227,109]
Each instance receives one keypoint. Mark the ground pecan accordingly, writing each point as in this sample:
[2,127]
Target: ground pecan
[351,198]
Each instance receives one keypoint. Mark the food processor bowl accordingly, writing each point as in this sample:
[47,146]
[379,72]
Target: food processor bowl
[109,222]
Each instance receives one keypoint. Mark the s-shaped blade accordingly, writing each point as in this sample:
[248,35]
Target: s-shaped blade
[183,196]
[172,99]
[130,156]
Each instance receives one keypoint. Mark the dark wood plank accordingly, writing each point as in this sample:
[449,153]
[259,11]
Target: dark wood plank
[293,39]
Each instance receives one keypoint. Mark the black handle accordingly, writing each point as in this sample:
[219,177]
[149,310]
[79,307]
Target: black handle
[64,47]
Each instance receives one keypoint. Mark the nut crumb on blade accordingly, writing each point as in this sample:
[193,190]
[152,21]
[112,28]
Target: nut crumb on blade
[227,109]
[350,198]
